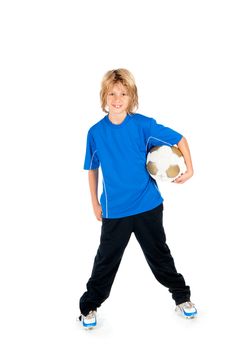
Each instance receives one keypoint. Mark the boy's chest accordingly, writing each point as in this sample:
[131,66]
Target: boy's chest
[121,140]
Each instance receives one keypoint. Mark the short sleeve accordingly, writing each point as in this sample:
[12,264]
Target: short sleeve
[160,135]
[91,158]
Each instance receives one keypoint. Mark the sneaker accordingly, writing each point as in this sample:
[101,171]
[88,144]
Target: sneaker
[187,309]
[89,321]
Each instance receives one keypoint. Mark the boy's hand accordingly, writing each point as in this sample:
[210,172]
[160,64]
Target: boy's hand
[183,177]
[98,212]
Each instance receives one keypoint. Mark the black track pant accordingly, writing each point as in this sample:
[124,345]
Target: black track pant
[115,235]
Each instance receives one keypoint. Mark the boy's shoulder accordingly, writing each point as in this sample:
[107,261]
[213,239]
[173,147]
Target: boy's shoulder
[141,119]
[97,125]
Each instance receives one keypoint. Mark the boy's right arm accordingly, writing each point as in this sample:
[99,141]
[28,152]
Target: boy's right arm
[93,184]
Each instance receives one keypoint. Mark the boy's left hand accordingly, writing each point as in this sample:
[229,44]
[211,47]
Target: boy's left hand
[183,177]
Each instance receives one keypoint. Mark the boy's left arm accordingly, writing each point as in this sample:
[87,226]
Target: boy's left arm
[184,148]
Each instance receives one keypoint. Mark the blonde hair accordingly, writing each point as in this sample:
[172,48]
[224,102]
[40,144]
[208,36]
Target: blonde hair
[124,77]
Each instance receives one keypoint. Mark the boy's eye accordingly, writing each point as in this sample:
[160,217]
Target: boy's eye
[113,94]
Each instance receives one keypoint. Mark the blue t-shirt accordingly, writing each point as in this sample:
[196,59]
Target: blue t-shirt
[121,151]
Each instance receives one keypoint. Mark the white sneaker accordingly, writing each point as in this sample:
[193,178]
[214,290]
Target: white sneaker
[187,309]
[89,321]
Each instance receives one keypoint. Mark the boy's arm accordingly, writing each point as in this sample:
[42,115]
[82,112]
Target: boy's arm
[184,148]
[93,184]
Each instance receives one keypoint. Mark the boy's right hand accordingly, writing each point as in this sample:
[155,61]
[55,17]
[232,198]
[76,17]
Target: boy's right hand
[98,212]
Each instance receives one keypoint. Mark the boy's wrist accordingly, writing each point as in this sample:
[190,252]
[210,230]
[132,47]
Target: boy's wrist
[95,202]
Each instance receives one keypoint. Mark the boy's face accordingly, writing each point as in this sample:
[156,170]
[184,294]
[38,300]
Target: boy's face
[118,100]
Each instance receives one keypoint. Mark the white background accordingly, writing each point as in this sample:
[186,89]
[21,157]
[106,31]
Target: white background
[53,57]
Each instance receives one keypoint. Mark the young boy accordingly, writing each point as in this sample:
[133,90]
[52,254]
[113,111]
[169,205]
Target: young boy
[130,201]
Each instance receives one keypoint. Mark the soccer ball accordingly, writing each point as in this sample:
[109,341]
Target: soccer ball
[165,163]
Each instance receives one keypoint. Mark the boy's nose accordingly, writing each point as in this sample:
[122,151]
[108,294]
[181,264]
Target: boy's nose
[117,98]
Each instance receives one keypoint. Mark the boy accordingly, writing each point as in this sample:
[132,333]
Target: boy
[130,201]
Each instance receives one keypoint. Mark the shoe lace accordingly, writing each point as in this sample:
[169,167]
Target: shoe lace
[188,305]
[90,315]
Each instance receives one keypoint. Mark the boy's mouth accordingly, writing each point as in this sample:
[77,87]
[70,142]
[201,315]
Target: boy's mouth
[117,106]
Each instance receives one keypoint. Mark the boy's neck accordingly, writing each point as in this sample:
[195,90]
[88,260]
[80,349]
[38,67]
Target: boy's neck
[117,119]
